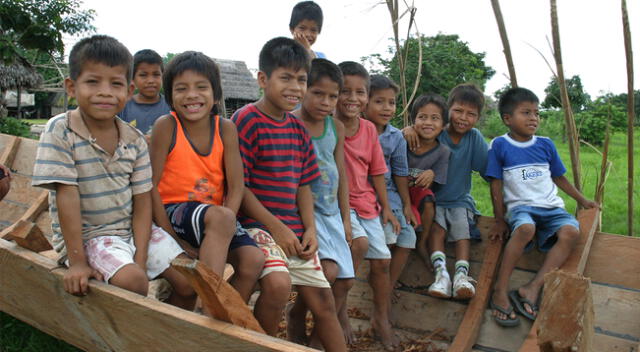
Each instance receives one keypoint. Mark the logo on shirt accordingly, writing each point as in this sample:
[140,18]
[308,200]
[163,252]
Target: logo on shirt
[530,174]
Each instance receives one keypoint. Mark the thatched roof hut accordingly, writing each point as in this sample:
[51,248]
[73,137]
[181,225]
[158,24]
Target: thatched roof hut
[239,87]
[17,76]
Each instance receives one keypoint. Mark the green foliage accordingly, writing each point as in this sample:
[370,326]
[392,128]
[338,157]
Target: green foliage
[446,62]
[39,25]
[12,126]
[592,123]
[620,100]
[578,98]
[491,125]
[17,336]
[551,124]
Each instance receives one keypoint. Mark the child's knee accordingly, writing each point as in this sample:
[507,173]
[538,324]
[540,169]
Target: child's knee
[276,287]
[569,234]
[131,278]
[330,270]
[250,264]
[380,266]
[222,218]
[360,245]
[525,232]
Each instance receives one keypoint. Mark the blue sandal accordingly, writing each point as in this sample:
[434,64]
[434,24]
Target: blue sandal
[507,323]
[519,302]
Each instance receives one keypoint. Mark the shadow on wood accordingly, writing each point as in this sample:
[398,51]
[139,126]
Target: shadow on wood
[219,298]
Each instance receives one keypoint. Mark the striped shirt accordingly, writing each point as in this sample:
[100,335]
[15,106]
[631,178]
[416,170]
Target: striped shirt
[67,154]
[278,157]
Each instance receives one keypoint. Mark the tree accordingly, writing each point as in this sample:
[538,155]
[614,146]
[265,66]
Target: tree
[39,25]
[447,62]
[578,98]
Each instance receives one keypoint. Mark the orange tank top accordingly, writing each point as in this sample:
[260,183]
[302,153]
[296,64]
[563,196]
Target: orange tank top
[189,176]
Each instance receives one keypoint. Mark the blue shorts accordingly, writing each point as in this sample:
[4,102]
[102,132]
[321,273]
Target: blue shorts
[407,236]
[547,222]
[372,230]
[332,244]
[187,220]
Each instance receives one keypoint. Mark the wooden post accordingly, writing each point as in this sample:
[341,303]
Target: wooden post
[40,204]
[630,115]
[28,235]
[505,42]
[566,319]
[9,152]
[219,298]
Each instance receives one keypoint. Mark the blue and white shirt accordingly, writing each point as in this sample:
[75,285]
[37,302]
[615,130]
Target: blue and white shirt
[526,170]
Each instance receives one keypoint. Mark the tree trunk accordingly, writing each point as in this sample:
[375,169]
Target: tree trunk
[630,115]
[505,42]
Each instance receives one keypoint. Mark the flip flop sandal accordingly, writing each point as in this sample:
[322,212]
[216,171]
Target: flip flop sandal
[519,302]
[507,323]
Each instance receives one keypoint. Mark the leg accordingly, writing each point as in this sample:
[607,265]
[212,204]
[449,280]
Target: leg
[274,295]
[398,260]
[131,278]
[436,238]
[512,252]
[428,213]
[463,248]
[340,290]
[326,326]
[247,262]
[182,295]
[219,227]
[379,282]
[359,247]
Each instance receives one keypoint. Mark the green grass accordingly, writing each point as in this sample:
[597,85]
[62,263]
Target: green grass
[36,121]
[614,209]
[16,336]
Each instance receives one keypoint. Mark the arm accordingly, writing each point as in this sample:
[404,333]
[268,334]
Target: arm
[5,181]
[304,201]
[569,189]
[411,137]
[76,279]
[343,186]
[402,183]
[500,228]
[232,166]
[381,190]
[425,179]
[141,226]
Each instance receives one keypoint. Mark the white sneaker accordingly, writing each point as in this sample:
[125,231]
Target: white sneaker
[463,286]
[441,287]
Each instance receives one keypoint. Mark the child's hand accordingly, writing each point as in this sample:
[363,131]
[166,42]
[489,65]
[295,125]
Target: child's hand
[348,234]
[499,230]
[300,38]
[387,216]
[309,245]
[76,279]
[425,179]
[412,137]
[191,251]
[589,204]
[411,218]
[286,239]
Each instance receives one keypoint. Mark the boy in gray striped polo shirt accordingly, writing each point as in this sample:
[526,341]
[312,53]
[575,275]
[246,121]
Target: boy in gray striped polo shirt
[98,172]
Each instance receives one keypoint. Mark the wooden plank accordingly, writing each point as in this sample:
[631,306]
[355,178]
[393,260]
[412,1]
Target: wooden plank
[40,204]
[470,326]
[566,319]
[625,253]
[28,235]
[110,318]
[588,220]
[219,298]
[9,152]
[25,157]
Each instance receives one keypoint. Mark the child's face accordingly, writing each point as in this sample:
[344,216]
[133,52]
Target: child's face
[101,90]
[381,106]
[148,79]
[321,98]
[523,122]
[462,117]
[308,29]
[192,95]
[353,97]
[428,123]
[284,89]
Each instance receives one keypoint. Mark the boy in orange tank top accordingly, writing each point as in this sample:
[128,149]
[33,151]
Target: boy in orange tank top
[197,171]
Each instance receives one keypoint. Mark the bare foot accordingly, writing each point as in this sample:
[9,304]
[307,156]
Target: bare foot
[382,330]
[296,328]
[501,299]
[349,336]
[531,294]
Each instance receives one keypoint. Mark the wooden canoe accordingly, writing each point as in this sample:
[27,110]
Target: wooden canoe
[113,319]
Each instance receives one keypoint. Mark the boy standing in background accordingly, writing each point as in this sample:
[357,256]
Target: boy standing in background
[305,25]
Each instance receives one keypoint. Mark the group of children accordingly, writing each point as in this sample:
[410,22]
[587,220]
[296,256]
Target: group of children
[296,189]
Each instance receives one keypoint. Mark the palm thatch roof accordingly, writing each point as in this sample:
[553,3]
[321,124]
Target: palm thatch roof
[18,76]
[237,80]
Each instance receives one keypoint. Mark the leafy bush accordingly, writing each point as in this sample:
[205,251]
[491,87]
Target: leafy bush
[551,124]
[491,125]
[10,125]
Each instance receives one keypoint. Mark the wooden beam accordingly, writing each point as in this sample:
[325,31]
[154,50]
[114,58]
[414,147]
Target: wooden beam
[566,319]
[110,318]
[28,235]
[10,151]
[40,204]
[219,298]
[473,317]
[588,220]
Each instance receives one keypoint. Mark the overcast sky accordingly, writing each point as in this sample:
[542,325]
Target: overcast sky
[591,32]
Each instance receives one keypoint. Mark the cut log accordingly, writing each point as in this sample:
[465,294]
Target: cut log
[28,235]
[39,205]
[219,298]
[566,320]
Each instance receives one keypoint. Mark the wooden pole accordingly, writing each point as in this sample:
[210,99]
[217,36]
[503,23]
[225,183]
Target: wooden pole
[392,5]
[505,42]
[630,115]
[566,104]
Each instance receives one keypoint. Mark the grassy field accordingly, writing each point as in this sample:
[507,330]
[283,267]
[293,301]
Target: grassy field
[614,209]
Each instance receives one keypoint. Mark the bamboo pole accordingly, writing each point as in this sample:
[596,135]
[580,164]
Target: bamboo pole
[392,5]
[505,42]
[574,147]
[630,115]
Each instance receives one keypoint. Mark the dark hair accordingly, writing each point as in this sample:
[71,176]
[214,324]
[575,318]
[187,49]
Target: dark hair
[513,97]
[306,10]
[197,62]
[324,68]
[352,68]
[283,52]
[427,99]
[380,82]
[147,56]
[100,49]
[467,93]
